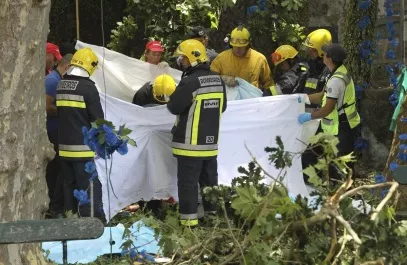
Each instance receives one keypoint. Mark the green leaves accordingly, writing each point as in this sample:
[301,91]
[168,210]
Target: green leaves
[246,202]
[314,179]
[292,4]
[278,156]
[100,122]
[401,229]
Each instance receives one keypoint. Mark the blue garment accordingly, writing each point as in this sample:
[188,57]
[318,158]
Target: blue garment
[51,83]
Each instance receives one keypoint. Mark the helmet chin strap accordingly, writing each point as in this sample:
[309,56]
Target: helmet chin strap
[77,71]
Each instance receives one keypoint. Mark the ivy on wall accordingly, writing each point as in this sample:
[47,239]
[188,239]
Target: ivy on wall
[359,39]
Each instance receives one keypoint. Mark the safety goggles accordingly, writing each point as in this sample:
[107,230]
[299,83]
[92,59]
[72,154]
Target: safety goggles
[239,41]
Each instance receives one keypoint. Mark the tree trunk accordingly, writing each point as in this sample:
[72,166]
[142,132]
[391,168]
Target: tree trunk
[229,19]
[23,143]
[354,37]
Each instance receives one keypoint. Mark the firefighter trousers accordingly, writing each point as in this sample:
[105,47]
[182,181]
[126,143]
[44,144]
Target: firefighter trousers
[192,171]
[54,178]
[75,177]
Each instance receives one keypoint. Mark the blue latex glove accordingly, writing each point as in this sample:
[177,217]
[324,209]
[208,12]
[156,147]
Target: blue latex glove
[304,117]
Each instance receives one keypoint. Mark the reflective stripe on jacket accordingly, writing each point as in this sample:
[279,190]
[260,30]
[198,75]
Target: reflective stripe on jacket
[290,82]
[330,124]
[317,76]
[78,105]
[198,101]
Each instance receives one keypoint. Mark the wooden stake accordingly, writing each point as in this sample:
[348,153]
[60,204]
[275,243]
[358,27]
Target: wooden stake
[77,19]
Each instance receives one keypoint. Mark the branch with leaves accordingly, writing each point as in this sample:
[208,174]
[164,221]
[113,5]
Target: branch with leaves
[264,224]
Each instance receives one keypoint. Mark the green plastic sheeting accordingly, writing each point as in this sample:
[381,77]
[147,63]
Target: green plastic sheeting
[402,86]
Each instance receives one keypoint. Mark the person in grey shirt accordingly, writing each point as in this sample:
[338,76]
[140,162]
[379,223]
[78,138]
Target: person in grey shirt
[200,33]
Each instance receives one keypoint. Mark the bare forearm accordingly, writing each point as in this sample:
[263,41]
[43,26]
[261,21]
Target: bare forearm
[316,98]
[321,113]
[52,111]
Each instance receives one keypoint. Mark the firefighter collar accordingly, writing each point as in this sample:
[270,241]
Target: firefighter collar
[74,70]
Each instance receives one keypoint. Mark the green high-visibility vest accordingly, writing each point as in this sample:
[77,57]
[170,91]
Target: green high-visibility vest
[330,124]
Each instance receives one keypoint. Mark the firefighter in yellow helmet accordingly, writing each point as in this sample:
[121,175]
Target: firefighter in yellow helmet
[317,71]
[198,101]
[156,92]
[78,104]
[294,73]
[338,113]
[243,61]
[317,76]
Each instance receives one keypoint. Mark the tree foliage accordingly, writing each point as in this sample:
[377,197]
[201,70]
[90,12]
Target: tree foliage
[260,223]
[271,23]
[63,20]
[170,25]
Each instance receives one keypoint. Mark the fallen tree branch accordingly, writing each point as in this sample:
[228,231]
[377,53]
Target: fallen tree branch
[194,248]
[349,228]
[389,194]
[262,169]
[309,222]
[363,187]
[231,233]
[374,262]
[345,240]
[230,258]
[342,189]
[334,242]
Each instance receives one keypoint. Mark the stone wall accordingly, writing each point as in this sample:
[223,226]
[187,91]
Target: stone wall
[328,14]
[376,113]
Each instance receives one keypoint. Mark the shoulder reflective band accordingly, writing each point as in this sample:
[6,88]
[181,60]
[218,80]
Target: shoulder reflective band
[343,76]
[73,101]
[311,83]
[303,68]
[273,90]
[206,90]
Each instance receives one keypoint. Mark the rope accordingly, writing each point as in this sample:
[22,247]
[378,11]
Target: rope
[111,242]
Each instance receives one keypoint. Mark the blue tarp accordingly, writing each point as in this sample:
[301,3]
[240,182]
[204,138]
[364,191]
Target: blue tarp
[244,90]
[85,251]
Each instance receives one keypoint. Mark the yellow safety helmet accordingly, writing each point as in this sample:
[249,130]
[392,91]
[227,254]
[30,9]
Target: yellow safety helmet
[163,86]
[86,59]
[194,50]
[317,39]
[283,53]
[240,37]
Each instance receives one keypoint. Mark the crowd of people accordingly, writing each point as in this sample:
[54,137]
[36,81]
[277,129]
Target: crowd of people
[321,81]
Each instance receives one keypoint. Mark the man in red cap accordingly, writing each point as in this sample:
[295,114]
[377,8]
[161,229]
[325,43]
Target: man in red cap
[52,58]
[153,52]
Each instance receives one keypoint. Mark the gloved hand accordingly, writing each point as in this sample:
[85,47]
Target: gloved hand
[163,65]
[304,117]
[303,98]
[229,80]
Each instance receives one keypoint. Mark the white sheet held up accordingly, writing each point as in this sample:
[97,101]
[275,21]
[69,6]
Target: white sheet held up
[149,170]
[123,75]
